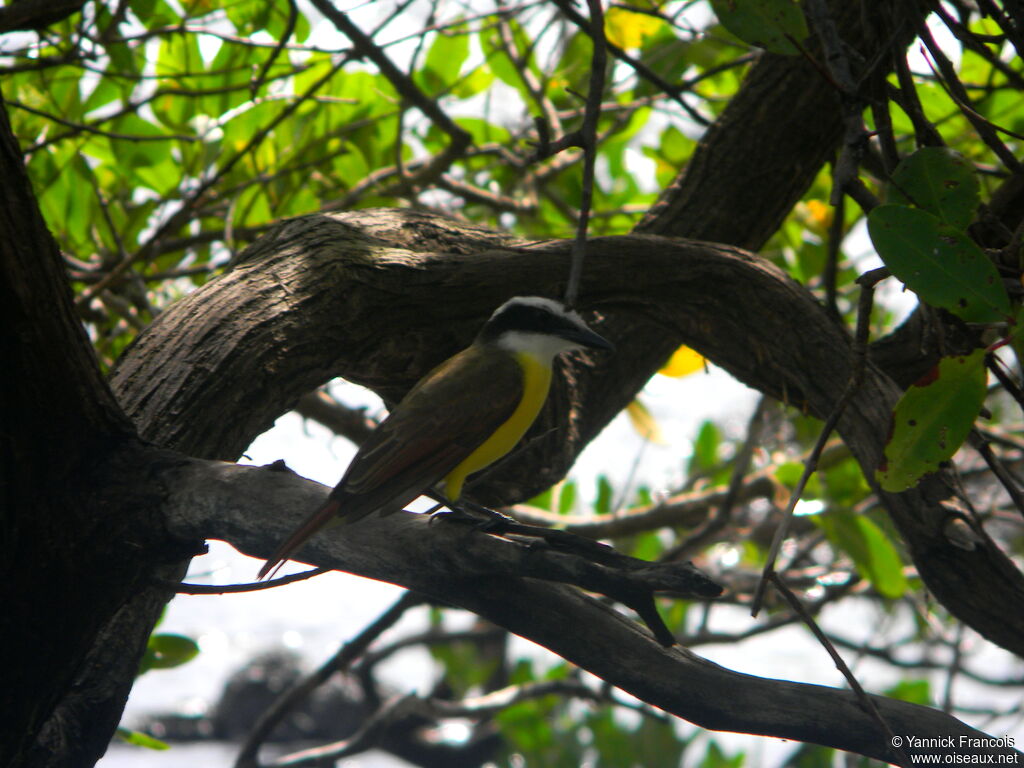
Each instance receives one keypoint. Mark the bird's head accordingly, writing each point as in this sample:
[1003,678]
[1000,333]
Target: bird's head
[539,326]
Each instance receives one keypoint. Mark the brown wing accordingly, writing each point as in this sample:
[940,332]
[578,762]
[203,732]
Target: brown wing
[430,431]
[424,438]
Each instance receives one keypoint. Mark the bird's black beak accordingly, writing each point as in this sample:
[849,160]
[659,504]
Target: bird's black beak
[587,338]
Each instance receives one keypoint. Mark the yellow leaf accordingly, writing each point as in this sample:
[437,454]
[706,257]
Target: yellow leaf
[816,215]
[683,362]
[628,29]
[644,423]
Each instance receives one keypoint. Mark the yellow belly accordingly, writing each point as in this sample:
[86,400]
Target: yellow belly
[536,383]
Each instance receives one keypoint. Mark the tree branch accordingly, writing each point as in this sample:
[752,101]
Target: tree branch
[250,507]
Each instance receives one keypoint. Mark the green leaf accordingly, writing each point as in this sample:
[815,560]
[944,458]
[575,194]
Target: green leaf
[643,496]
[769,24]
[716,758]
[253,206]
[939,263]
[871,550]
[178,55]
[845,484]
[143,144]
[249,16]
[498,61]
[789,473]
[705,448]
[465,667]
[156,13]
[603,503]
[477,81]
[229,78]
[932,419]
[103,92]
[812,756]
[444,60]
[572,72]
[567,497]
[164,651]
[646,546]
[64,92]
[667,55]
[484,132]
[543,500]
[140,739]
[937,180]
[914,691]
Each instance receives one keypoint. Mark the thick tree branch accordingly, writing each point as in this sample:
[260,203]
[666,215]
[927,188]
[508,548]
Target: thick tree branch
[244,504]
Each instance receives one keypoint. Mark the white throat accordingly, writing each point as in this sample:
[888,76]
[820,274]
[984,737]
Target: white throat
[542,346]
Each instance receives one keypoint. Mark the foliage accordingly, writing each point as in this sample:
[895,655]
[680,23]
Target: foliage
[162,137]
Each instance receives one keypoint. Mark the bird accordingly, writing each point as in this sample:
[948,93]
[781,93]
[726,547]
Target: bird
[461,417]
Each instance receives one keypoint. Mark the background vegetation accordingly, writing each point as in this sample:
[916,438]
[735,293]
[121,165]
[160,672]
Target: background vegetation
[160,139]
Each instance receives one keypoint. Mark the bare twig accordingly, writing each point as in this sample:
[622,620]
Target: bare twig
[351,423]
[1013,389]
[686,509]
[673,92]
[867,282]
[588,134]
[247,757]
[862,696]
[1010,484]
[925,132]
[956,91]
[226,589]
[289,30]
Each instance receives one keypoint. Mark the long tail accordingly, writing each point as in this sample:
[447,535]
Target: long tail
[303,533]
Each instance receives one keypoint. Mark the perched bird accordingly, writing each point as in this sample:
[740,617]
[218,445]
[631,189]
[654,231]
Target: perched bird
[464,415]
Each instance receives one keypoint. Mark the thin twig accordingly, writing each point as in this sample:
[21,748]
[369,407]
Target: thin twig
[830,274]
[867,282]
[955,89]
[223,589]
[954,669]
[865,701]
[1013,389]
[642,70]
[588,133]
[908,99]
[247,757]
[1009,483]
[289,30]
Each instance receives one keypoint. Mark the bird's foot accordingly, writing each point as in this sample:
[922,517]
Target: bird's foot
[481,518]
